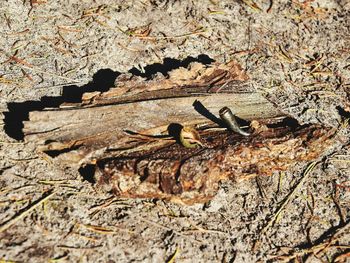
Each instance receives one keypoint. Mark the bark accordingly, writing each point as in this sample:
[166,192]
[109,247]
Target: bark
[193,175]
[129,135]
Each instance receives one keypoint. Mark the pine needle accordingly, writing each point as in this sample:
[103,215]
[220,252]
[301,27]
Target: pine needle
[25,212]
[278,213]
[172,258]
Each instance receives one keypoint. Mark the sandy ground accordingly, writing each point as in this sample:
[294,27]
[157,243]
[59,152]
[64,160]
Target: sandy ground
[295,52]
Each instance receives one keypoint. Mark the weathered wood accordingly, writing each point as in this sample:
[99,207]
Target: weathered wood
[148,107]
[129,135]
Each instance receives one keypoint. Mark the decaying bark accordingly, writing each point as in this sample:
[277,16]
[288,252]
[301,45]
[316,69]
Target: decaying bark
[191,96]
[192,175]
[129,134]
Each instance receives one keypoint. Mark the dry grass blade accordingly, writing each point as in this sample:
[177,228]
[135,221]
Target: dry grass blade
[79,248]
[321,247]
[284,54]
[172,258]
[252,5]
[26,211]
[25,65]
[308,170]
[208,231]
[105,230]
[167,228]
[198,32]
[38,70]
[342,257]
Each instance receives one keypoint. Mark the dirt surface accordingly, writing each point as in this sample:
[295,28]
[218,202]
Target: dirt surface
[295,52]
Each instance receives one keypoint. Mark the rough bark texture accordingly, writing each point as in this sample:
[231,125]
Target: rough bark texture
[129,134]
[192,175]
